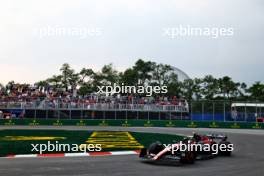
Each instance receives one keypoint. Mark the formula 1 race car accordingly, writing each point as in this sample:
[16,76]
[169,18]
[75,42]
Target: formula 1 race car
[197,147]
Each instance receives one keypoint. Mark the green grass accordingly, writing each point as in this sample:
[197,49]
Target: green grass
[72,137]
[24,147]
[147,138]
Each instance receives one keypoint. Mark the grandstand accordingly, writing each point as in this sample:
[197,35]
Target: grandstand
[95,107]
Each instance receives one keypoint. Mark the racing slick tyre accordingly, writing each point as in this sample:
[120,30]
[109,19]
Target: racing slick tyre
[155,148]
[226,152]
[188,157]
[207,153]
[143,153]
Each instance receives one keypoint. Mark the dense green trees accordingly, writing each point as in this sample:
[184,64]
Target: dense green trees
[256,91]
[150,73]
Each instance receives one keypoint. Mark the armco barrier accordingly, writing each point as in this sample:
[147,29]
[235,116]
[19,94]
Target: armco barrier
[133,123]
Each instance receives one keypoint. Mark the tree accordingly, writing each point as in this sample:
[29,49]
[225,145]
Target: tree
[1,86]
[9,86]
[129,77]
[188,89]
[86,75]
[242,91]
[74,79]
[42,84]
[2,89]
[86,81]
[209,87]
[144,71]
[108,75]
[173,85]
[86,89]
[256,91]
[162,74]
[228,88]
[67,73]
[55,81]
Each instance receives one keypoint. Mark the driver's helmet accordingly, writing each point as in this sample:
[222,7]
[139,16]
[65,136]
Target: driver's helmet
[196,137]
[185,140]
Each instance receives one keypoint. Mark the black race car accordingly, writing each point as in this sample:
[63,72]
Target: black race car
[199,147]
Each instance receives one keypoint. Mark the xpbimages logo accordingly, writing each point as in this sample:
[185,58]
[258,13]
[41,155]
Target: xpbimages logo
[117,89]
[58,147]
[199,147]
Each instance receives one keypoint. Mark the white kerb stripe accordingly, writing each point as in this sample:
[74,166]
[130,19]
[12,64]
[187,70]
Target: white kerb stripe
[76,154]
[124,153]
[26,156]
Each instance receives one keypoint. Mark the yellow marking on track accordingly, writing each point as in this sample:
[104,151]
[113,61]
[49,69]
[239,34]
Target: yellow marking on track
[112,139]
[30,138]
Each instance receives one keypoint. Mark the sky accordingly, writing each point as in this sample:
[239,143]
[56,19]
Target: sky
[122,31]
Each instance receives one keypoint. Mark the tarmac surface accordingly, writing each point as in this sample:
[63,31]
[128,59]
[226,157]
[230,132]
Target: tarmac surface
[247,158]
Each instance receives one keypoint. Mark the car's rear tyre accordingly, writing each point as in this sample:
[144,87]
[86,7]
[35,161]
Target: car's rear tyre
[188,157]
[227,152]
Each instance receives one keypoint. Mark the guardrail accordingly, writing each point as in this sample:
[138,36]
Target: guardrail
[133,123]
[95,106]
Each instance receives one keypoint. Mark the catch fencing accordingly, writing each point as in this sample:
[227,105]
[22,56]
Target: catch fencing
[219,111]
[225,111]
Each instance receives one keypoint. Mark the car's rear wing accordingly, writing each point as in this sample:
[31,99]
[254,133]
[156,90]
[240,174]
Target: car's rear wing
[217,136]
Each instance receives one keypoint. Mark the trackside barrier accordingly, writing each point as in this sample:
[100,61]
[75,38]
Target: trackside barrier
[132,123]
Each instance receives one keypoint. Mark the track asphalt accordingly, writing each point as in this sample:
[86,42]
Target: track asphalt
[247,159]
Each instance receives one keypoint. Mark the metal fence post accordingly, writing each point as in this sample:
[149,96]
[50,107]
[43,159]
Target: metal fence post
[256,115]
[224,112]
[191,111]
[35,113]
[148,115]
[213,111]
[202,110]
[245,113]
[47,112]
[58,113]
[181,115]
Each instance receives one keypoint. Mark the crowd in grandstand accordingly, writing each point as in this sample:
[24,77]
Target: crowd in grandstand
[27,96]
